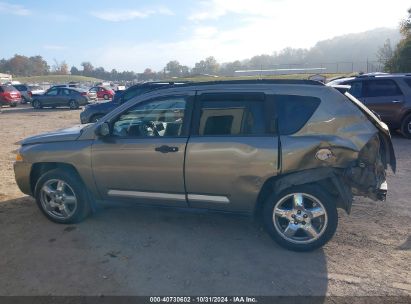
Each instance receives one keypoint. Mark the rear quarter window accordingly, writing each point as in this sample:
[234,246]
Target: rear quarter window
[294,111]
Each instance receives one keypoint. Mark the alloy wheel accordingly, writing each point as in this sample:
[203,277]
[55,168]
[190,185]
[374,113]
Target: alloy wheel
[300,218]
[58,199]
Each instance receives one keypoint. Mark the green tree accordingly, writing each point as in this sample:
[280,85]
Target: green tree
[401,59]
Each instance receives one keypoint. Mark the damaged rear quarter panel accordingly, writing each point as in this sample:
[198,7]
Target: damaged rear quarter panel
[337,125]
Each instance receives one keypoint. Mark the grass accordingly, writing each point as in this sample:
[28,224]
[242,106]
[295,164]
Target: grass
[56,79]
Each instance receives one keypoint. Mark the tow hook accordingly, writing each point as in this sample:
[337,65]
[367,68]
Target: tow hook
[382,192]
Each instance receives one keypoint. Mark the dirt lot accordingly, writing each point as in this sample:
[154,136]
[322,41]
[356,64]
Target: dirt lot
[147,251]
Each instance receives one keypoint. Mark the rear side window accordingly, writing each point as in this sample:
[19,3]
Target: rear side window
[294,111]
[381,87]
[408,81]
[231,114]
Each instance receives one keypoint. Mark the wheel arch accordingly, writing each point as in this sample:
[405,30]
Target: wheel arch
[328,179]
[38,169]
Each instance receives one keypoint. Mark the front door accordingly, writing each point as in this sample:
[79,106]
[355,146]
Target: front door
[143,159]
[50,97]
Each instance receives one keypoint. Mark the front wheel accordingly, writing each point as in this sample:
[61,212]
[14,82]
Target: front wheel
[13,105]
[406,126]
[62,197]
[301,218]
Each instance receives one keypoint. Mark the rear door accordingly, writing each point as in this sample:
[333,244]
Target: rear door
[232,150]
[384,97]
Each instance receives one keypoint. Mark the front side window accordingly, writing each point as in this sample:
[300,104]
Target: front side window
[382,87]
[232,114]
[162,117]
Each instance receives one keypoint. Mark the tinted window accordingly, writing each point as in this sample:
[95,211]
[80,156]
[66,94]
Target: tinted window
[408,81]
[21,87]
[154,118]
[132,92]
[381,87]
[294,111]
[65,92]
[232,114]
[52,92]
[356,89]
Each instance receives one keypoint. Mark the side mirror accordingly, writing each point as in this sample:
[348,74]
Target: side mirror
[103,130]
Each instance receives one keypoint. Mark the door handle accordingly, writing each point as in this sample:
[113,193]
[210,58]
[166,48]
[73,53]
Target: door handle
[396,101]
[166,149]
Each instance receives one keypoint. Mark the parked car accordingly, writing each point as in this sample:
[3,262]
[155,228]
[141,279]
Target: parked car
[389,95]
[9,96]
[57,97]
[289,151]
[25,92]
[94,112]
[103,92]
[37,90]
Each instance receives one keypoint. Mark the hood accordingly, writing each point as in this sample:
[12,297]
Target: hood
[68,134]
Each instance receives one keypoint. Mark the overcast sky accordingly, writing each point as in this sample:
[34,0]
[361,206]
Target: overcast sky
[133,35]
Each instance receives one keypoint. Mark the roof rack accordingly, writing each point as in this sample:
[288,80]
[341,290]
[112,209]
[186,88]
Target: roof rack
[257,81]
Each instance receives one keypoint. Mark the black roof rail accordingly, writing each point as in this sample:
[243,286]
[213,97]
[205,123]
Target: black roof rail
[257,81]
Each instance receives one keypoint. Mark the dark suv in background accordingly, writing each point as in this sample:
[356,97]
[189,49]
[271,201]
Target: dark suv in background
[94,112]
[389,95]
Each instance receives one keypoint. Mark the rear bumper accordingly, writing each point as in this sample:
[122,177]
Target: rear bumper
[22,175]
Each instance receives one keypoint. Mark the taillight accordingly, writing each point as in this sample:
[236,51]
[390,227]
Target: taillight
[30,94]
[84,93]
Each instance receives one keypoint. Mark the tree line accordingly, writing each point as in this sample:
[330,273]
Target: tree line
[345,48]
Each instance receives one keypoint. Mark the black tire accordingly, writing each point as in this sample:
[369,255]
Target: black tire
[36,104]
[330,209]
[13,105]
[95,118]
[82,209]
[106,97]
[406,126]
[73,105]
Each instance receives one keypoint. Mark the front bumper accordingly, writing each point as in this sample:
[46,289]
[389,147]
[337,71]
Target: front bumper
[22,175]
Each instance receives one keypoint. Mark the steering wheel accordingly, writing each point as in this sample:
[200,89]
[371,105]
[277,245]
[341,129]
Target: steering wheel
[148,127]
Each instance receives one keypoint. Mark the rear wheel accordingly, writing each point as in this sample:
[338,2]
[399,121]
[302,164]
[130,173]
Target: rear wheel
[62,197]
[73,105]
[36,104]
[406,126]
[301,218]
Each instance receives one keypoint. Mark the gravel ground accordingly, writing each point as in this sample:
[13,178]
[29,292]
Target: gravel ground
[148,251]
